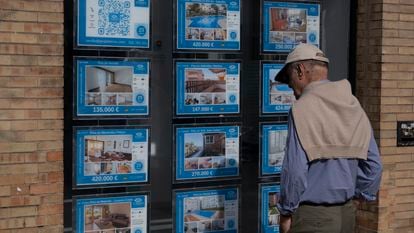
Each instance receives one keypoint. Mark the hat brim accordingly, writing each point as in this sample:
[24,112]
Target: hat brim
[282,76]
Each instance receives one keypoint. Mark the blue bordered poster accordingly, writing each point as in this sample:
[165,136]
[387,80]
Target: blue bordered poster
[112,87]
[273,148]
[111,156]
[207,88]
[112,214]
[269,213]
[213,211]
[286,24]
[208,24]
[113,23]
[207,152]
[276,97]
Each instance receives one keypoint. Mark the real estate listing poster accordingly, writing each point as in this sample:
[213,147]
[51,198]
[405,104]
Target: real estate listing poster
[276,97]
[120,214]
[207,152]
[213,211]
[269,196]
[286,24]
[111,156]
[113,23]
[273,148]
[208,24]
[207,88]
[112,87]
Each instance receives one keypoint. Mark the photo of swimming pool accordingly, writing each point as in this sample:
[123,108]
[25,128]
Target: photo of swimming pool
[207,21]
[200,23]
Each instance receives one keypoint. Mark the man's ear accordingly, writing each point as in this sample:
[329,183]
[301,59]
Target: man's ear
[299,70]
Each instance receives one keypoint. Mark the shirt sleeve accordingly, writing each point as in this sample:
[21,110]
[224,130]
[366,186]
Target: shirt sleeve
[294,172]
[369,173]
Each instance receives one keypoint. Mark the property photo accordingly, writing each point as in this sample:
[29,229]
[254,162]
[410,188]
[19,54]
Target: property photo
[205,86]
[273,213]
[276,147]
[279,93]
[108,85]
[107,218]
[203,214]
[288,19]
[204,144]
[107,154]
[204,151]
[205,21]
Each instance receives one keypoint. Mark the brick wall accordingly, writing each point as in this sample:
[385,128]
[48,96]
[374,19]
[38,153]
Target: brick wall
[31,116]
[385,83]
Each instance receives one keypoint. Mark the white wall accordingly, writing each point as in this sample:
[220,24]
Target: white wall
[95,78]
[123,76]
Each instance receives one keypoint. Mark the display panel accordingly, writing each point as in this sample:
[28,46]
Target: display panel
[273,148]
[207,88]
[276,97]
[113,23]
[212,210]
[111,156]
[207,152]
[286,24]
[112,214]
[208,24]
[269,214]
[112,87]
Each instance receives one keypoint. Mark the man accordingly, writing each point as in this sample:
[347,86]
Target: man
[331,154]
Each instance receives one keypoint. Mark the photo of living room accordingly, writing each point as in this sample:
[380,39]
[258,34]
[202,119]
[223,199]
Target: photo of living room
[108,218]
[203,214]
[109,85]
[108,154]
[205,86]
[204,150]
[287,25]
[276,147]
[273,213]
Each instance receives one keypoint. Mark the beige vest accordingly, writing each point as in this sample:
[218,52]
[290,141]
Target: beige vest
[330,122]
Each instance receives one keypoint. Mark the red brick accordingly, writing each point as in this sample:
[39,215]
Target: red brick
[55,156]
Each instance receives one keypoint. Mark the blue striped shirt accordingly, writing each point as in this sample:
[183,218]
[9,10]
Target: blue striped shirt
[327,181]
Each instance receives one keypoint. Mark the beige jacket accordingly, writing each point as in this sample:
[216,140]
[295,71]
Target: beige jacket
[330,122]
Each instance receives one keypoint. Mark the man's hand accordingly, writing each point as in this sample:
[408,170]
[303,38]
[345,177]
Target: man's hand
[285,222]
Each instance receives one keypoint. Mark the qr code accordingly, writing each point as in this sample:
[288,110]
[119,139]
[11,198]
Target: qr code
[114,17]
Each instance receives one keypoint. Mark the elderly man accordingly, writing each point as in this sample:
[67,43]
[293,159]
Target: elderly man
[331,154]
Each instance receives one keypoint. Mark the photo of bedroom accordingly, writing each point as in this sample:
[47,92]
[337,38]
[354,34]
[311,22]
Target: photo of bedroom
[114,218]
[108,154]
[109,85]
